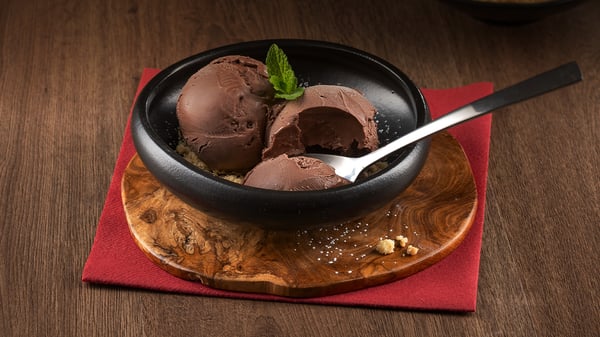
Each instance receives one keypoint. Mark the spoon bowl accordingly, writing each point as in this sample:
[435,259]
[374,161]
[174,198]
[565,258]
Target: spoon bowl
[567,74]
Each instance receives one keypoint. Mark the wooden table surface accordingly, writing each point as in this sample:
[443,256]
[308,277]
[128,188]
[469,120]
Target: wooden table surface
[68,74]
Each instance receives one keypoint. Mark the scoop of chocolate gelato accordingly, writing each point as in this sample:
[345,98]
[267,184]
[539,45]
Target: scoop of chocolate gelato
[222,112]
[293,174]
[334,118]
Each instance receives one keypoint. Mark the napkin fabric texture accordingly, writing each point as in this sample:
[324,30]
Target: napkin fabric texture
[449,285]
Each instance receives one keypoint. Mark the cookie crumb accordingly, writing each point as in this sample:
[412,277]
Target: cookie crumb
[412,250]
[402,240]
[385,247]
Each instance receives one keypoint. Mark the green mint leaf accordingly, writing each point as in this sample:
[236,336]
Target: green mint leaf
[281,75]
[291,96]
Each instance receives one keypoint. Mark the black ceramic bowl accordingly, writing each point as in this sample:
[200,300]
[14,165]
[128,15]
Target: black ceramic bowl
[514,12]
[401,108]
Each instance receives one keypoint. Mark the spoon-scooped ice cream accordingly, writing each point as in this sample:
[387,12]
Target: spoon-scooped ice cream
[330,117]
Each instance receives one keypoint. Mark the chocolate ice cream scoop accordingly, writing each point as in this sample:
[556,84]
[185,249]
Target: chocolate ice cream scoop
[222,112]
[293,174]
[334,118]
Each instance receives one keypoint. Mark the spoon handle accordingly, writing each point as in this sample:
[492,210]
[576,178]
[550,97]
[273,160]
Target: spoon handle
[545,82]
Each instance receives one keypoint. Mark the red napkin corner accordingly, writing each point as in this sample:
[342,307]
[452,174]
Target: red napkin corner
[449,285]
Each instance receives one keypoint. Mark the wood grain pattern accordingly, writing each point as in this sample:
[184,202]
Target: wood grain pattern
[434,213]
[68,74]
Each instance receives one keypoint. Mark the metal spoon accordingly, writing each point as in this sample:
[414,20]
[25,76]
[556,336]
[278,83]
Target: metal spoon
[564,75]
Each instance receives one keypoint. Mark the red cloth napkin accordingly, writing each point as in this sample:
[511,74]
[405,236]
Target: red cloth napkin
[451,284]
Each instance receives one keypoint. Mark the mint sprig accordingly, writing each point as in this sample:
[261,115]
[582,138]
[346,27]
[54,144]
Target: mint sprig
[281,75]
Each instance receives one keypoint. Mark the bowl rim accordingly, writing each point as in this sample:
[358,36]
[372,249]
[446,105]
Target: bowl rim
[164,75]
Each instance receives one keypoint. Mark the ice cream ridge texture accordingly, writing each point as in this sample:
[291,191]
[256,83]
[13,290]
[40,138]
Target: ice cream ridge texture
[222,112]
[229,117]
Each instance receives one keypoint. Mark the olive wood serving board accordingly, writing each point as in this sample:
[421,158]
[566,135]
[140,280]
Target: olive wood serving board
[435,213]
